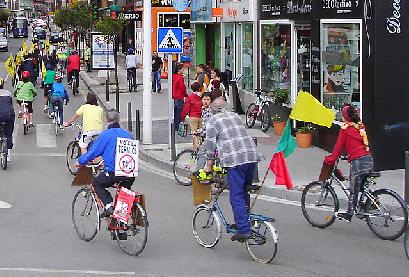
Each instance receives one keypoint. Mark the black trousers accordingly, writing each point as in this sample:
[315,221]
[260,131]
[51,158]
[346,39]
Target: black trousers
[108,179]
[8,129]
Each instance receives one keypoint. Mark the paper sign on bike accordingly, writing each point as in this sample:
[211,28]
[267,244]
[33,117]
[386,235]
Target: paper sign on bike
[126,157]
[124,204]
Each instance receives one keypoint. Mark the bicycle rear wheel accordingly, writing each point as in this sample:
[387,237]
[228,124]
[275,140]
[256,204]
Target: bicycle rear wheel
[265,118]
[184,165]
[251,115]
[319,204]
[74,86]
[72,155]
[263,246]
[133,235]
[406,242]
[386,216]
[56,120]
[3,153]
[85,214]
[206,226]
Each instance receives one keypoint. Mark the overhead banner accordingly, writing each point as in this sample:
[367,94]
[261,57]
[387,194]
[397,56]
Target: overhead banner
[102,52]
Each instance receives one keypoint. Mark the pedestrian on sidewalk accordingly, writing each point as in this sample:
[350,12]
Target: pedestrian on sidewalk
[179,93]
[215,76]
[157,65]
[238,153]
[87,56]
[353,139]
[202,77]
[193,108]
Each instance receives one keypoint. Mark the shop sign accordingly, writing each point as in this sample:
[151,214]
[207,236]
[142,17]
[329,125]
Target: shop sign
[131,15]
[393,22]
[236,11]
[286,8]
[162,3]
[202,11]
[341,7]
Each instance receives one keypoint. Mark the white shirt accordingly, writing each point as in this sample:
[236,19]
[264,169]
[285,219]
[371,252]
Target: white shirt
[130,61]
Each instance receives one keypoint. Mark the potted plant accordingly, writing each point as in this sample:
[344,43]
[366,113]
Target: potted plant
[281,96]
[278,124]
[304,135]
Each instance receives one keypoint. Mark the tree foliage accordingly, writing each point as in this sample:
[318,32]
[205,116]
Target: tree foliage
[77,16]
[4,15]
[109,26]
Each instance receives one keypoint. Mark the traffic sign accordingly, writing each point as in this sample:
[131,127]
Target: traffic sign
[170,40]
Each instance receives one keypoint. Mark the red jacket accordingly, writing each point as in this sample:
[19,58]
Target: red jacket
[350,140]
[178,87]
[192,107]
[73,63]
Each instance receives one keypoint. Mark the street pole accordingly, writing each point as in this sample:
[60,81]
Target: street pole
[170,101]
[147,72]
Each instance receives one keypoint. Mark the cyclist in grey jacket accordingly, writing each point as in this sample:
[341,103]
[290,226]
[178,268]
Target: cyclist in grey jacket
[7,115]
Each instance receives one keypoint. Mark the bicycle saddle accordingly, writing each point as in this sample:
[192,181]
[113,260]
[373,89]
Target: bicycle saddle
[373,175]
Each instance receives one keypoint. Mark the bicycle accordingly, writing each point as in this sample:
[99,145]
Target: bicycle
[56,118]
[406,242]
[208,218]
[131,235]
[74,150]
[74,84]
[24,117]
[380,208]
[259,110]
[130,79]
[3,147]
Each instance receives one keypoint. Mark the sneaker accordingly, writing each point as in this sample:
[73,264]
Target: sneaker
[241,237]
[45,109]
[107,212]
[344,216]
[51,115]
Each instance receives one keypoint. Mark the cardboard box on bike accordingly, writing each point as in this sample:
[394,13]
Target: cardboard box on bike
[202,193]
[83,178]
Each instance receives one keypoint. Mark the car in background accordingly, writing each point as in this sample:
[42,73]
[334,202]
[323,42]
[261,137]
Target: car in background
[4,45]
[56,37]
[39,23]
[40,33]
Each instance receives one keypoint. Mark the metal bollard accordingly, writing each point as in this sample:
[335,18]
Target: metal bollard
[137,126]
[406,189]
[172,143]
[106,90]
[129,116]
[255,178]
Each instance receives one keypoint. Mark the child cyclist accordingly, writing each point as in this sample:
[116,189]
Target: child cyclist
[58,94]
[48,83]
[25,92]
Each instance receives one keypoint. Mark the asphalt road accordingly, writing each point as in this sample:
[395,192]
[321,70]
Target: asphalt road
[37,237]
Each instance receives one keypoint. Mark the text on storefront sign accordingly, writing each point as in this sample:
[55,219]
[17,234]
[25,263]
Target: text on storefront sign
[393,22]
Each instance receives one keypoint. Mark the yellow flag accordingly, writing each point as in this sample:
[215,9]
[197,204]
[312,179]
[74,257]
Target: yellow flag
[24,48]
[43,70]
[10,66]
[307,108]
[32,48]
[19,58]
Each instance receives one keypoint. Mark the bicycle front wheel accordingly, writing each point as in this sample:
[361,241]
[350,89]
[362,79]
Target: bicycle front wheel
[206,226]
[406,242]
[386,214]
[3,153]
[251,115]
[262,247]
[319,204]
[184,165]
[72,155]
[265,118]
[133,235]
[85,214]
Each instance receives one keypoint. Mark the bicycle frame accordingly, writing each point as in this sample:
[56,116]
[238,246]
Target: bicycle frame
[24,117]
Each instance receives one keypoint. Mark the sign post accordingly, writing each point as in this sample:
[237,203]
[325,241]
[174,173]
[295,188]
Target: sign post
[170,41]
[147,72]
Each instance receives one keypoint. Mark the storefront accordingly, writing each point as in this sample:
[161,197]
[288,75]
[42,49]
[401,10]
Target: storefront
[238,32]
[342,51]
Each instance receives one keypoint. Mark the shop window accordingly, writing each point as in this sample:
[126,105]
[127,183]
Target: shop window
[229,49]
[340,65]
[303,60]
[247,57]
[275,57]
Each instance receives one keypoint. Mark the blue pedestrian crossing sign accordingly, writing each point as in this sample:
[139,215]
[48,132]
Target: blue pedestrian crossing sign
[170,40]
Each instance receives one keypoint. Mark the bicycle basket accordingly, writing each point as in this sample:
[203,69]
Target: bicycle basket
[183,129]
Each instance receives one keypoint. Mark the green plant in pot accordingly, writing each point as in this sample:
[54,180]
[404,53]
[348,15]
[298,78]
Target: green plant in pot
[304,135]
[281,96]
[278,124]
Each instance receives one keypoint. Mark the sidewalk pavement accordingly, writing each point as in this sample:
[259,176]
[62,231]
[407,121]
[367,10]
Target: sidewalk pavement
[304,164]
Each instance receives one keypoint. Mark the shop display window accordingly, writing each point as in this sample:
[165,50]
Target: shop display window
[275,57]
[340,65]
[229,48]
[247,57]
[304,60]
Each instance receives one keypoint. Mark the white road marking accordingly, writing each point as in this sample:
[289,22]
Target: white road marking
[39,154]
[49,270]
[46,136]
[5,205]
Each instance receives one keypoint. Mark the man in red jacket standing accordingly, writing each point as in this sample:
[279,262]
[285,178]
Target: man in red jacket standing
[193,108]
[178,93]
[73,67]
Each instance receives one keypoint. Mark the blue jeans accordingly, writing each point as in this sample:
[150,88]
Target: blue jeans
[178,106]
[60,106]
[156,81]
[238,178]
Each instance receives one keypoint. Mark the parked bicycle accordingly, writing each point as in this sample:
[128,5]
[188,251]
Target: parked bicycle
[3,147]
[74,150]
[131,236]
[259,110]
[383,209]
[208,218]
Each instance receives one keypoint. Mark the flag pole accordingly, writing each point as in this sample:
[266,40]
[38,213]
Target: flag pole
[259,190]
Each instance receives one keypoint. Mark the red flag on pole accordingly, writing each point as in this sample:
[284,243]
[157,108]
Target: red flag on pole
[279,168]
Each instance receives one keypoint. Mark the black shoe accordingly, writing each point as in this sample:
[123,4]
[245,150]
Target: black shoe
[345,216]
[121,236]
[153,90]
[107,212]
[241,237]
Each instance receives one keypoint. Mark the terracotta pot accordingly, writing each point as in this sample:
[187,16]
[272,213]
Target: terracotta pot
[279,127]
[304,140]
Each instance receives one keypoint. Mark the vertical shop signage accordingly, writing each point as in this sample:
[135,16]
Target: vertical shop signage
[393,22]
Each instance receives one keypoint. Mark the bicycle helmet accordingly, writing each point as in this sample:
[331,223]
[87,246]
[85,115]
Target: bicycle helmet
[25,74]
[58,78]
[112,116]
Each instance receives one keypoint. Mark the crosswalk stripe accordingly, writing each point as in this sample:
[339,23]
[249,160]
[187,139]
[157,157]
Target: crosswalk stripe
[4,205]
[46,136]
